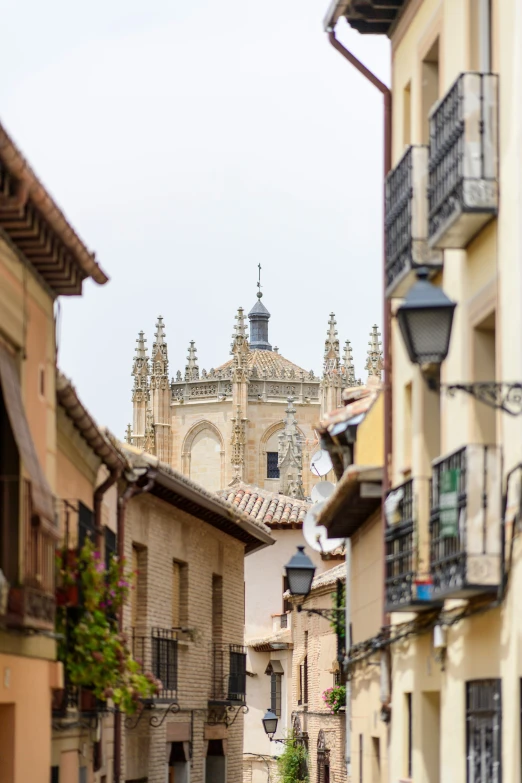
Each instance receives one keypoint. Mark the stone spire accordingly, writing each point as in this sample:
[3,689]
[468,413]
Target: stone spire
[259,318]
[332,381]
[349,366]
[140,391]
[332,359]
[159,397]
[290,460]
[374,362]
[191,368]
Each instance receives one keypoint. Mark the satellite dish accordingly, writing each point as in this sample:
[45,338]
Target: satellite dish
[316,536]
[322,491]
[320,464]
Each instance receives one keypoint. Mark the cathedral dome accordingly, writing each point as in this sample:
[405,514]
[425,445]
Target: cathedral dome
[269,361]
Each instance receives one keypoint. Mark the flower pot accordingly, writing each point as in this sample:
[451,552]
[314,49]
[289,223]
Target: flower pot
[88,701]
[67,596]
[58,700]
[424,591]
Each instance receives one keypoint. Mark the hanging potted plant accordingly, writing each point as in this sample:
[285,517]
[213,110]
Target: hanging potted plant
[96,655]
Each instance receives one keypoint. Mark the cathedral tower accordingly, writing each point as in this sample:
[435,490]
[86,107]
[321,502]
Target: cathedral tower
[160,395]
[140,393]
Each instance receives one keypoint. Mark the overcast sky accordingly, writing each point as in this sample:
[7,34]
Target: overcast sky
[187,142]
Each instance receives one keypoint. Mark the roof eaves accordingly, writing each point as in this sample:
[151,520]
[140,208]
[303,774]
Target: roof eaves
[34,190]
[254,534]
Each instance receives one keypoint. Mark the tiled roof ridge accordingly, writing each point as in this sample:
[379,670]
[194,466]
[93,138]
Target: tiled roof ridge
[271,357]
[265,507]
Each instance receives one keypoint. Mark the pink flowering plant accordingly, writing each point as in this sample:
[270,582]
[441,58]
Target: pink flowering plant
[96,655]
[335,698]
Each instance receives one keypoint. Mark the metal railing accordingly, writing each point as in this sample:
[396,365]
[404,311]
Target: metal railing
[228,673]
[463,157]
[447,525]
[156,650]
[401,554]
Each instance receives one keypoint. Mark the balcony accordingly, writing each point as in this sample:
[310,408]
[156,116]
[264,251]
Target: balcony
[31,599]
[463,164]
[157,652]
[71,701]
[228,674]
[406,222]
[408,585]
[465,522]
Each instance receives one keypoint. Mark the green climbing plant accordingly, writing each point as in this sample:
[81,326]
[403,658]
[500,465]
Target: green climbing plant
[338,623]
[292,764]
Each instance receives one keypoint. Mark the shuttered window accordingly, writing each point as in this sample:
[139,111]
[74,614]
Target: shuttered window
[275,694]
[483,731]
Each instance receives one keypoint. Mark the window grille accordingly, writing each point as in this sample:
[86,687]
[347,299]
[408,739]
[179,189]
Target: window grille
[272,470]
[165,658]
[483,731]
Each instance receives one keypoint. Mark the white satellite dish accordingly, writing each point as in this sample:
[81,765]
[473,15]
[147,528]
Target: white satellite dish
[322,491]
[320,464]
[316,536]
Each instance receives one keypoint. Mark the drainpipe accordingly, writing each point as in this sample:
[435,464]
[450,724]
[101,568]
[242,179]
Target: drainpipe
[386,93]
[131,490]
[99,492]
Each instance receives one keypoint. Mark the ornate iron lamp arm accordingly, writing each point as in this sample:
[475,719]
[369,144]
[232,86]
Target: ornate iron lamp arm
[499,395]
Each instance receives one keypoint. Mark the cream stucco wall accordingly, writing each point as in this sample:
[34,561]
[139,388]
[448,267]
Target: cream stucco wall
[485,280]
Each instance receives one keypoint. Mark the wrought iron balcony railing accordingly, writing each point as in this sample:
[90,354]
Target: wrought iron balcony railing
[463,162]
[408,585]
[228,674]
[71,701]
[466,512]
[406,221]
[157,652]
[28,549]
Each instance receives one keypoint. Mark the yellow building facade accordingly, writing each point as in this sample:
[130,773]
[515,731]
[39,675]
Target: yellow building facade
[451,515]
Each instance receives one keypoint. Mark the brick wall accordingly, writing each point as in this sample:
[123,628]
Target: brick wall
[314,637]
[166,534]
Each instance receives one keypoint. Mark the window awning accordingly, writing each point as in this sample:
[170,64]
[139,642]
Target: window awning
[41,495]
[274,667]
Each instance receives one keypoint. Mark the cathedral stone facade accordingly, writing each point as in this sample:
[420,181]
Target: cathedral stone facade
[250,420]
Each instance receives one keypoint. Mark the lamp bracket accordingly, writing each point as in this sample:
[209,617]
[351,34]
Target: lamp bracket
[227,716]
[328,614]
[503,396]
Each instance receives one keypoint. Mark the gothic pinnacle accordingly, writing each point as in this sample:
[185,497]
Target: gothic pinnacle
[159,335]
[348,364]
[191,368]
[140,347]
[331,346]
[374,362]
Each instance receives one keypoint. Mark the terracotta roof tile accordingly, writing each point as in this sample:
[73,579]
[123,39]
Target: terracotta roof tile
[267,360]
[267,508]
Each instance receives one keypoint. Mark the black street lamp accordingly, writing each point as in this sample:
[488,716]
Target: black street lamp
[300,573]
[270,722]
[425,319]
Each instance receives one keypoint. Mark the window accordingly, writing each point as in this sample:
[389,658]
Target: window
[237,673]
[361,758]
[85,525]
[165,658]
[217,609]
[430,87]
[480,35]
[138,596]
[55,774]
[409,729]
[110,546]
[179,595]
[303,681]
[275,693]
[272,458]
[483,731]
[287,604]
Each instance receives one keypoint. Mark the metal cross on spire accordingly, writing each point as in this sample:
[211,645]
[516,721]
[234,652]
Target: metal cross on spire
[259,294]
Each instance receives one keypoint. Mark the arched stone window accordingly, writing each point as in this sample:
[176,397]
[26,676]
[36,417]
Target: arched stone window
[323,759]
[268,454]
[203,456]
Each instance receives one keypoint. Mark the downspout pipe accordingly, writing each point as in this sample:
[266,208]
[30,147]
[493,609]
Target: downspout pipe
[387,96]
[130,491]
